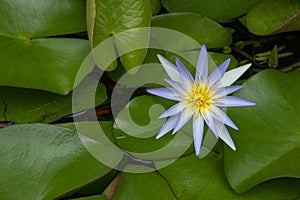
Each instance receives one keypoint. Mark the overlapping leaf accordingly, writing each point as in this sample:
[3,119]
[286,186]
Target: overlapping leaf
[108,18]
[274,16]
[221,11]
[43,162]
[27,106]
[191,178]
[268,140]
[30,61]
[198,27]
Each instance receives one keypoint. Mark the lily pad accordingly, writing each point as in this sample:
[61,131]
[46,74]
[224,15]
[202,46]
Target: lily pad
[268,140]
[30,61]
[193,178]
[27,106]
[128,14]
[41,161]
[198,27]
[221,11]
[270,17]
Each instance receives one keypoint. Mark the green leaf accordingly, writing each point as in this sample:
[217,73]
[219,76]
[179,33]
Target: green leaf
[27,106]
[40,161]
[221,10]
[29,61]
[193,178]
[101,185]
[142,186]
[270,17]
[127,15]
[106,126]
[213,35]
[156,6]
[268,139]
[41,18]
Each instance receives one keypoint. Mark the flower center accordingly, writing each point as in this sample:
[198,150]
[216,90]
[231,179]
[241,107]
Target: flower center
[200,99]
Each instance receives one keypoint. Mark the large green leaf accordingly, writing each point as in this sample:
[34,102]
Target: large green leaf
[108,18]
[24,105]
[41,18]
[193,178]
[221,10]
[103,184]
[268,140]
[274,16]
[198,27]
[43,162]
[29,61]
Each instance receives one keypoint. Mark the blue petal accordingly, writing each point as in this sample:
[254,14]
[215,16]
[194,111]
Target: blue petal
[168,126]
[184,118]
[198,127]
[183,71]
[210,122]
[216,76]
[222,92]
[224,135]
[165,93]
[173,110]
[177,86]
[202,66]
[170,68]
[219,115]
[231,101]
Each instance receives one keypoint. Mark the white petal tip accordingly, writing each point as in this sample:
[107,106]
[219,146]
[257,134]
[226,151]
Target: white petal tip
[250,103]
[161,133]
[149,91]
[232,125]
[247,65]
[158,136]
[230,144]
[160,58]
[161,116]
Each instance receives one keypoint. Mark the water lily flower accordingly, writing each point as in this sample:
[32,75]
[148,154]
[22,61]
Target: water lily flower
[201,99]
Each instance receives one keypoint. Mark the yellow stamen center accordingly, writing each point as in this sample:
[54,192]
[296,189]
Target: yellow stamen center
[199,98]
